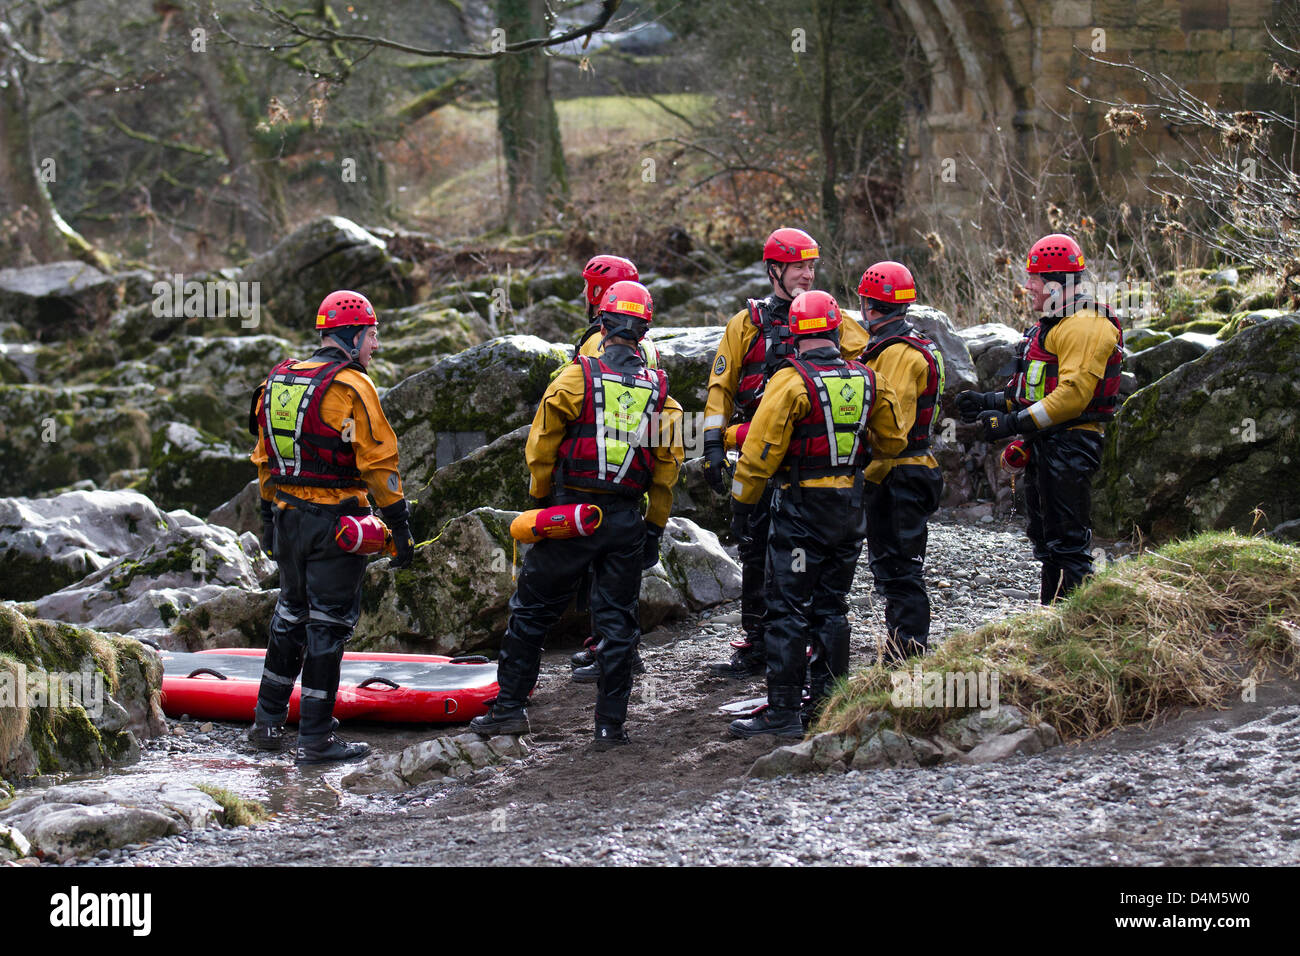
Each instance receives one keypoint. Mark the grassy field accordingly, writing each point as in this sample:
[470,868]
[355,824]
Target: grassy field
[603,134]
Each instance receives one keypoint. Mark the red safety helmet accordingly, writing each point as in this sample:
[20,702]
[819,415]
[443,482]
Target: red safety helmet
[1055,253]
[888,281]
[790,245]
[630,299]
[603,271]
[344,308]
[814,312]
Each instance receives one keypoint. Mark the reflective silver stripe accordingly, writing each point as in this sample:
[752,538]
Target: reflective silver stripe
[322,616]
[314,694]
[283,614]
[274,678]
[1040,416]
[715,421]
[737,487]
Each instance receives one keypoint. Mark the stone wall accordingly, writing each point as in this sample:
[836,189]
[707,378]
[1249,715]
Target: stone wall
[1003,73]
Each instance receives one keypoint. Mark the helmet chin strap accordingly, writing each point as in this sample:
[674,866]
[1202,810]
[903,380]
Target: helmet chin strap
[349,347]
[779,279]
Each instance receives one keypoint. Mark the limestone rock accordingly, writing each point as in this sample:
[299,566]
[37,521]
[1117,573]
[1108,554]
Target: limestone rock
[49,543]
[1234,447]
[686,355]
[695,500]
[241,513]
[1024,741]
[797,758]
[326,254]
[492,475]
[487,390]
[1161,359]
[13,845]
[237,617]
[150,587]
[190,470]
[58,300]
[980,338]
[417,337]
[439,759]
[697,565]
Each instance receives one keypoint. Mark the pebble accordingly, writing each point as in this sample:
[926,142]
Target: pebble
[941,818]
[1017,593]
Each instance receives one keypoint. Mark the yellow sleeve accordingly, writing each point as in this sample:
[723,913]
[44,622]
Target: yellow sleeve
[561,404]
[724,378]
[649,352]
[888,436]
[906,372]
[669,453]
[591,346]
[853,338]
[1083,344]
[264,484]
[785,401]
[353,398]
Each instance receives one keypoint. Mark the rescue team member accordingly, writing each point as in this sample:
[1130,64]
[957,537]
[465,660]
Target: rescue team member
[819,420]
[755,344]
[322,442]
[902,492]
[605,433]
[1065,388]
[599,274]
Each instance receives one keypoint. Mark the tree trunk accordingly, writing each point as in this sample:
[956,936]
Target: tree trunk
[526,119]
[825,11]
[31,229]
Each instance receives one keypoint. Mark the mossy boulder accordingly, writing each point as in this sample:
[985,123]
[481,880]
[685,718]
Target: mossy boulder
[49,543]
[326,254]
[959,368]
[191,562]
[567,286]
[241,513]
[488,390]
[668,293]
[1224,299]
[53,437]
[88,700]
[992,347]
[237,617]
[194,471]
[1161,359]
[58,300]
[1244,320]
[1260,300]
[415,338]
[686,355]
[552,319]
[1138,340]
[1203,326]
[492,476]
[1210,442]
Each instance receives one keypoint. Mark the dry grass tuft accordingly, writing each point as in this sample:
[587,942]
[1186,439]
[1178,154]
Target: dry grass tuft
[1183,626]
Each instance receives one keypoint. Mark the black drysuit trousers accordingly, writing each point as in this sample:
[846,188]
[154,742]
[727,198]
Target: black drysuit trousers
[320,601]
[812,549]
[1058,494]
[898,510]
[552,573]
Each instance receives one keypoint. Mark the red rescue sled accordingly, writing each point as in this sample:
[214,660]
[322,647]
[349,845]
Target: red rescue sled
[404,688]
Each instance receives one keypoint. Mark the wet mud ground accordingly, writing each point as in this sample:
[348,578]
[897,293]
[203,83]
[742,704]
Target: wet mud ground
[1202,787]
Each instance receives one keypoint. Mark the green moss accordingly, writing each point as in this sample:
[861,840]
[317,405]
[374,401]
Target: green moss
[236,811]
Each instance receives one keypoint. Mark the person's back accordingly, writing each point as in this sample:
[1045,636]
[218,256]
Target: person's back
[323,443]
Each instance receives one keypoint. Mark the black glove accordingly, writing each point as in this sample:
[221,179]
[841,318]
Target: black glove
[970,404]
[398,518]
[715,457]
[650,556]
[268,528]
[998,425]
[740,524]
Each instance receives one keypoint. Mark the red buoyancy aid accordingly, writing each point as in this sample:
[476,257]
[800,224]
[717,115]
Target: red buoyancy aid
[832,438]
[918,439]
[1037,370]
[770,348]
[301,448]
[610,447]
